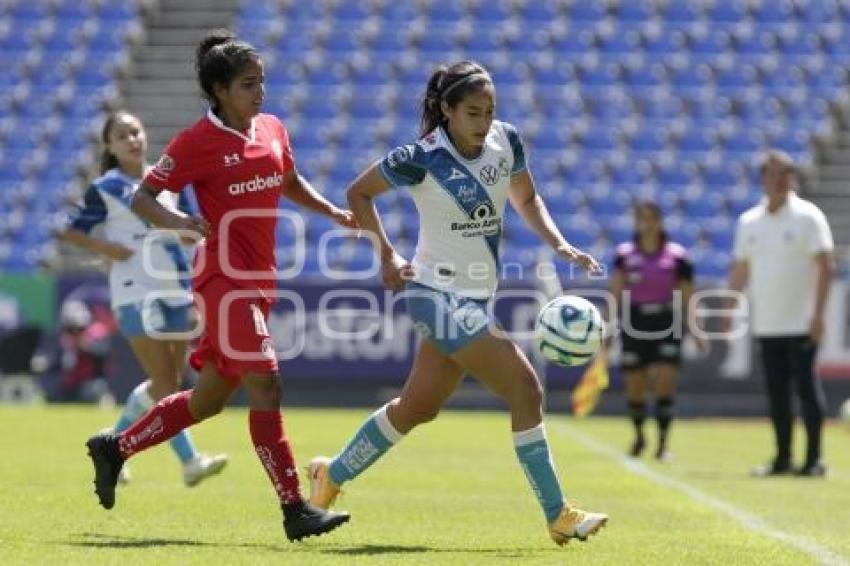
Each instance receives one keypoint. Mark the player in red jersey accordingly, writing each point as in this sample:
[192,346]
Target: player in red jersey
[240,163]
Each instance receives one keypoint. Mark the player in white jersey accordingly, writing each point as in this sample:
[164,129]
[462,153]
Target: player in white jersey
[148,281]
[460,174]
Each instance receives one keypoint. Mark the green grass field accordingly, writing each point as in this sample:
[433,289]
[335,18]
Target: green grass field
[451,493]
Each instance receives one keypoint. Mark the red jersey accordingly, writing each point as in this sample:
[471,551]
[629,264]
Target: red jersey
[237,179]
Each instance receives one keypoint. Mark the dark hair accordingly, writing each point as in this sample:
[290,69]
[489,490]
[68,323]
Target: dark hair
[652,207]
[776,156]
[107,159]
[450,84]
[219,58]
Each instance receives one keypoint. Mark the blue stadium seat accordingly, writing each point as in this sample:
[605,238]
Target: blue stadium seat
[588,12]
[30,11]
[441,13]
[636,10]
[683,11]
[774,11]
[709,42]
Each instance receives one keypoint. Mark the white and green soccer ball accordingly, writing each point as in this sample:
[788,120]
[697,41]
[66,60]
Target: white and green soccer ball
[569,331]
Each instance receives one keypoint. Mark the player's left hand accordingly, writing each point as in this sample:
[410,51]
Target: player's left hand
[575,255]
[345,218]
[816,329]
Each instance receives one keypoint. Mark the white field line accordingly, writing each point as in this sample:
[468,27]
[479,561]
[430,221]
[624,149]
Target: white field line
[743,517]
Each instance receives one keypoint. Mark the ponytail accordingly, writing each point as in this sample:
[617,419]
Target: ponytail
[219,58]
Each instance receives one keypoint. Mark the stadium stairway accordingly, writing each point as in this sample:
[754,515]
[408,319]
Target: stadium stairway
[831,189]
[163,90]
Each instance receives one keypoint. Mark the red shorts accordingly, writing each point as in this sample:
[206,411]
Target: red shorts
[236,338]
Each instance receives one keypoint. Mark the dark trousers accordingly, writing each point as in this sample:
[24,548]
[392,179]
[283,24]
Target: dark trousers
[790,359]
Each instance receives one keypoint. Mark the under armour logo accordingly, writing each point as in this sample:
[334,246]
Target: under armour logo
[231,160]
[455,175]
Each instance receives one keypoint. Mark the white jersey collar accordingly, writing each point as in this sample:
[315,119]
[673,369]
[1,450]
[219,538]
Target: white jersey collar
[789,204]
[448,143]
[216,121]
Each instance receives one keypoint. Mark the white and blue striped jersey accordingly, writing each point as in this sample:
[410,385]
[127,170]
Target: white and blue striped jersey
[107,203]
[461,204]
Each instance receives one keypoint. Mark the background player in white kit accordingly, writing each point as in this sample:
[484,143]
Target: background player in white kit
[143,300]
[460,174]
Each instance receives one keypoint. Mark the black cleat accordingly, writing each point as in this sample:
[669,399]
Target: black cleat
[663,455]
[812,470]
[302,520]
[637,447]
[104,454]
[773,469]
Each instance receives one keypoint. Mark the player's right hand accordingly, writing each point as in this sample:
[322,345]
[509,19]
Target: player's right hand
[396,271]
[194,224]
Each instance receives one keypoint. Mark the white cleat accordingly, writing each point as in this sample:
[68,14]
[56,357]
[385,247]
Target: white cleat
[202,467]
[124,476]
[575,523]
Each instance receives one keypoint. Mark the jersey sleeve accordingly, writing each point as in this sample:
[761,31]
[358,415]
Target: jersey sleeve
[287,155]
[404,166]
[820,235]
[92,212]
[684,268]
[518,148]
[176,167]
[739,247]
[619,261]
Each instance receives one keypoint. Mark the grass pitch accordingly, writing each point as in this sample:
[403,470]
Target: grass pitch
[451,493]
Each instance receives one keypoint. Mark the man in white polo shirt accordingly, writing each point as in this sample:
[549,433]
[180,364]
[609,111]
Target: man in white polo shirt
[783,249]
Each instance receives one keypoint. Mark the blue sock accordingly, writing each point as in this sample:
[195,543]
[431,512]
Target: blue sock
[532,449]
[375,437]
[138,403]
[183,446]
[124,421]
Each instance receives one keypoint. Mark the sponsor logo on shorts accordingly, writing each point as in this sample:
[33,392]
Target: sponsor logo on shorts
[268,349]
[471,318]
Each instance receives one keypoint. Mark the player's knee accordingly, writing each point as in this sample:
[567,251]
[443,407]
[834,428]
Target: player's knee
[163,387]
[203,410]
[425,415]
[409,415]
[265,393]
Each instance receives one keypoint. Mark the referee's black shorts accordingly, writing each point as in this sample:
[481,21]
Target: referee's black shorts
[641,351]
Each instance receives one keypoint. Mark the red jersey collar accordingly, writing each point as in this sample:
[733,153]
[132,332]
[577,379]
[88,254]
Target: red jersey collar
[216,121]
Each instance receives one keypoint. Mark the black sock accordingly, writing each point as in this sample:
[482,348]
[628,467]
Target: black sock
[664,416]
[637,411]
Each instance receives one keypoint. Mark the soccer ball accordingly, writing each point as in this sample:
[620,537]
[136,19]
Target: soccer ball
[569,331]
[844,412]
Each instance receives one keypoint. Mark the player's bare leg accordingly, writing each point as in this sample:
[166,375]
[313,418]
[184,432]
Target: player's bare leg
[500,365]
[432,380]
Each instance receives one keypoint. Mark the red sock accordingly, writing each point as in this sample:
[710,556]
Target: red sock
[275,453]
[164,420]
